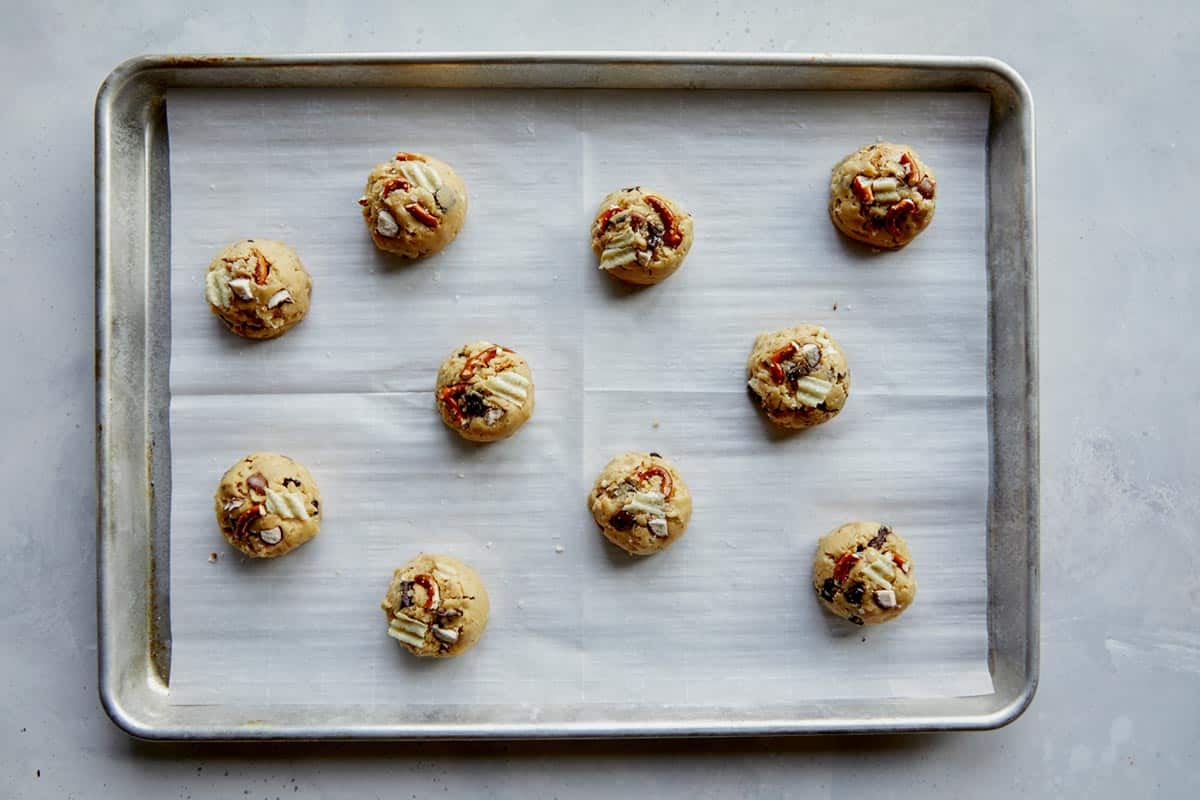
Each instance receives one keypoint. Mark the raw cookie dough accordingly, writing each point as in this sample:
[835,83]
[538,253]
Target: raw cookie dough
[484,392]
[258,288]
[414,205]
[640,503]
[863,572]
[800,376]
[268,505]
[436,606]
[882,195]
[641,236]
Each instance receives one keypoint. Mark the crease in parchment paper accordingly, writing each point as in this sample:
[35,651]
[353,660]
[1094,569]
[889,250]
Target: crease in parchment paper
[726,617]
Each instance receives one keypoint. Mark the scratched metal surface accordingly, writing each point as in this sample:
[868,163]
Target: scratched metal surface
[133,243]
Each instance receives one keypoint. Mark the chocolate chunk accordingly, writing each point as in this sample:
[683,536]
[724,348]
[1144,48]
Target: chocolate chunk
[622,520]
[291,481]
[654,235]
[879,538]
[473,405]
[854,594]
[655,455]
[796,371]
[855,619]
[829,589]
[406,594]
[448,615]
[257,482]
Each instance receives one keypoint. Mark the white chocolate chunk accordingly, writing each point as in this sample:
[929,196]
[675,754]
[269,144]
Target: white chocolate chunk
[232,503]
[271,535]
[650,502]
[823,340]
[445,197]
[810,354]
[405,622]
[658,527]
[408,630]
[241,287]
[882,571]
[421,174]
[885,598]
[216,290]
[812,391]
[611,259]
[447,635]
[510,385]
[618,218]
[619,240]
[887,198]
[289,505]
[492,416]
[279,298]
[406,637]
[884,185]
[386,224]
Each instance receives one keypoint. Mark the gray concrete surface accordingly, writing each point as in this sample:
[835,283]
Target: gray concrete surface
[1118,713]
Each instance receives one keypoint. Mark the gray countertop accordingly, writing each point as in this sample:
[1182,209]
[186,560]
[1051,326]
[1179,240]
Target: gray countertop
[1118,711]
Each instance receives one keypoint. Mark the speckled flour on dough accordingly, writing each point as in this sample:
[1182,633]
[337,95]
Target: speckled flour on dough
[413,205]
[484,392]
[258,288]
[267,504]
[641,236]
[863,573]
[436,606]
[799,375]
[882,195]
[640,503]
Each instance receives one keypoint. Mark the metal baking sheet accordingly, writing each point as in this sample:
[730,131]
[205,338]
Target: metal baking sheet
[1010,302]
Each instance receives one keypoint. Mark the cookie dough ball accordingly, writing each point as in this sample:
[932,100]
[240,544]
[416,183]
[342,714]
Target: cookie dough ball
[799,375]
[258,288]
[882,195]
[268,505]
[484,392]
[414,205]
[436,606]
[641,503]
[863,573]
[641,236]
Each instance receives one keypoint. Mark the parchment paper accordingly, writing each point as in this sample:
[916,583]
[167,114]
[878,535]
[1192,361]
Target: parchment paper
[726,617]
